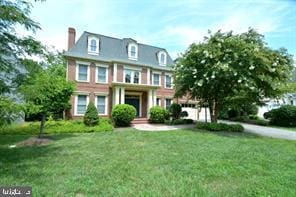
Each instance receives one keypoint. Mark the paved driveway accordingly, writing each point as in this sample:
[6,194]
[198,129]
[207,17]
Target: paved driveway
[268,131]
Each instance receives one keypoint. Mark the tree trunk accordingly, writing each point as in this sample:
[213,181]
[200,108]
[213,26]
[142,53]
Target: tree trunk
[42,124]
[214,111]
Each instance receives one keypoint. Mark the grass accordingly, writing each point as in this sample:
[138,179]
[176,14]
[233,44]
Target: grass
[129,163]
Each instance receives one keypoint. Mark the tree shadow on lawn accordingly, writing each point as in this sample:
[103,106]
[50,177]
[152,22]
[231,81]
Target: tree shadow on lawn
[16,162]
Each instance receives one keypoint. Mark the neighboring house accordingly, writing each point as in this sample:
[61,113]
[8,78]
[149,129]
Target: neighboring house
[286,99]
[110,71]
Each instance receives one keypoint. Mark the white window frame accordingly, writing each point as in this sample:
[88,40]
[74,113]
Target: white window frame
[129,51]
[77,71]
[165,102]
[76,102]
[159,58]
[89,45]
[158,73]
[107,72]
[168,74]
[106,102]
[132,75]
[159,101]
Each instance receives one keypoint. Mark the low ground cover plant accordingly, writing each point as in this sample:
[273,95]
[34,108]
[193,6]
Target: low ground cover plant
[178,121]
[61,126]
[220,127]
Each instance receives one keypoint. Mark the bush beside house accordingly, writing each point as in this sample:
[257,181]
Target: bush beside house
[283,116]
[158,114]
[123,114]
[91,117]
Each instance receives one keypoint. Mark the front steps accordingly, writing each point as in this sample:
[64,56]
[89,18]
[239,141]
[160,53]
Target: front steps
[140,121]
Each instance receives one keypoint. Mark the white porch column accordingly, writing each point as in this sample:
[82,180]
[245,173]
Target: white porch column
[114,72]
[150,103]
[116,95]
[154,97]
[122,95]
[148,76]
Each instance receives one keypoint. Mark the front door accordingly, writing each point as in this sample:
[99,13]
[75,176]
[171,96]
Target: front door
[134,101]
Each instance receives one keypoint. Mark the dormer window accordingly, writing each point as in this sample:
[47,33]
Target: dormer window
[93,45]
[162,58]
[133,51]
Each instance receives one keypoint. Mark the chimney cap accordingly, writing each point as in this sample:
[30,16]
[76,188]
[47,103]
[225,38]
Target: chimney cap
[71,29]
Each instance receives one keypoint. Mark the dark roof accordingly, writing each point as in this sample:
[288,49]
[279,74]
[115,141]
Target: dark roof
[114,49]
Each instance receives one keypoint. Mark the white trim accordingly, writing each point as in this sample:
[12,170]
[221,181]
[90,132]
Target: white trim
[77,71]
[158,73]
[130,45]
[158,97]
[170,75]
[132,75]
[107,72]
[106,103]
[159,58]
[140,97]
[137,68]
[76,102]
[101,93]
[89,51]
[114,72]
[81,93]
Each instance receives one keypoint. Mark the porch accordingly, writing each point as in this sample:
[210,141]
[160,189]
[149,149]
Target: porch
[142,97]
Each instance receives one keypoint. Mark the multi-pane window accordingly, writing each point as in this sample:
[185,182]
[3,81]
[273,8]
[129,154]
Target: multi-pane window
[168,103]
[133,51]
[162,58]
[168,81]
[102,74]
[81,104]
[128,76]
[158,101]
[101,104]
[93,45]
[132,76]
[156,79]
[82,72]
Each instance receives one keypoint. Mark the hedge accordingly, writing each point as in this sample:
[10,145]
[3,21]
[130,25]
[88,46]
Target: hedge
[283,116]
[158,114]
[220,127]
[61,126]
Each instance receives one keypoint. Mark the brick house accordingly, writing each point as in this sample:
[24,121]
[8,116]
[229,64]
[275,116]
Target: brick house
[110,71]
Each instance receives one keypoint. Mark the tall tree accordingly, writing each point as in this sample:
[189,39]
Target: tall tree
[14,48]
[226,65]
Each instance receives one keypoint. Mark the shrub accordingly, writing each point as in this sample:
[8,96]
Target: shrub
[220,127]
[91,117]
[175,110]
[283,116]
[123,114]
[158,114]
[257,122]
[61,126]
[178,121]
[184,114]
[253,117]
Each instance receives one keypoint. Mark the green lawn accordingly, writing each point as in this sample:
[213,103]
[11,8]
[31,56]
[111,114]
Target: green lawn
[133,163]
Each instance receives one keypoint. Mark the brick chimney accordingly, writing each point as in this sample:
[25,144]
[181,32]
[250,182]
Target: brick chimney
[71,37]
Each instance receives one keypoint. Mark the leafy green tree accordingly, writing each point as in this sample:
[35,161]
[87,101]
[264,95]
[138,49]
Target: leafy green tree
[9,110]
[14,48]
[47,93]
[91,117]
[227,65]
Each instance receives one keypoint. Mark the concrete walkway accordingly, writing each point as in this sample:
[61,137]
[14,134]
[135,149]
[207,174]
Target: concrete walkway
[161,127]
[267,131]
